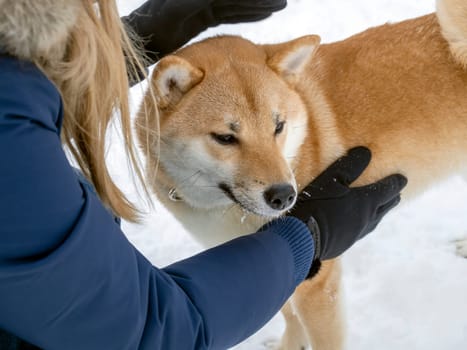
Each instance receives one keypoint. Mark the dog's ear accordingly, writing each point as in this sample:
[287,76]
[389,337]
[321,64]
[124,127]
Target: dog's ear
[290,58]
[172,78]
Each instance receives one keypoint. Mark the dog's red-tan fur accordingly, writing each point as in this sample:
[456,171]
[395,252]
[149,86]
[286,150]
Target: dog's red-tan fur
[399,89]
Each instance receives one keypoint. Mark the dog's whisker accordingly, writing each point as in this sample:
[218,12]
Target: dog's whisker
[206,186]
[195,175]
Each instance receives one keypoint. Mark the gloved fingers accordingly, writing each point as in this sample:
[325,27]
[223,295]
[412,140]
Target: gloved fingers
[333,182]
[380,213]
[265,5]
[347,168]
[153,12]
[385,189]
[383,210]
[233,14]
[245,11]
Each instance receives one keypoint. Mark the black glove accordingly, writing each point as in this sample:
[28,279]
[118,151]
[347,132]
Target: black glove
[166,25]
[339,215]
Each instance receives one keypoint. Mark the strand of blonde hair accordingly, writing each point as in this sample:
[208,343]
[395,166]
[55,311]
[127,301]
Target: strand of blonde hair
[93,80]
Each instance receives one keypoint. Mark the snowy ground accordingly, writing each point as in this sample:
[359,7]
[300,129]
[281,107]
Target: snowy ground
[404,286]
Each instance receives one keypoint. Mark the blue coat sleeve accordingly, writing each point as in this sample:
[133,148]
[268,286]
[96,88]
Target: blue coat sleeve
[69,279]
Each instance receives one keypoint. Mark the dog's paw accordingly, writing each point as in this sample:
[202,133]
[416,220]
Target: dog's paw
[461,248]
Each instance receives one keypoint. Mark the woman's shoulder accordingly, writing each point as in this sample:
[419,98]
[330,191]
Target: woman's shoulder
[16,72]
[25,90]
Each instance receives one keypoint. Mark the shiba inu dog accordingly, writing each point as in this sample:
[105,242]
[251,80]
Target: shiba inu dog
[242,128]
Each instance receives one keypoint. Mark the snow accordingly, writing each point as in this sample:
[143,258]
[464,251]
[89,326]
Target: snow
[405,288]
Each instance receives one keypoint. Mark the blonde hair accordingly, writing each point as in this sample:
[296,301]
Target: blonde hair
[92,77]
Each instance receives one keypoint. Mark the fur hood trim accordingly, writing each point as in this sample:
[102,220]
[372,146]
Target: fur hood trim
[31,29]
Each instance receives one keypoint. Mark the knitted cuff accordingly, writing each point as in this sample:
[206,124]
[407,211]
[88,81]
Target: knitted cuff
[298,236]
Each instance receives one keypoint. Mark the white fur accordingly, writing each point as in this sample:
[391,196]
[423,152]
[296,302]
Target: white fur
[177,74]
[296,134]
[296,60]
[196,174]
[452,16]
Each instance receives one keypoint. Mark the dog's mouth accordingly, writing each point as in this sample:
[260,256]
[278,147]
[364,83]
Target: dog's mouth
[228,192]
[248,204]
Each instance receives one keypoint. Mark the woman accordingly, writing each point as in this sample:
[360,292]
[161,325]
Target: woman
[69,279]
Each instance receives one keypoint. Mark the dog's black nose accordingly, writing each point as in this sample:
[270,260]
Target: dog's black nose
[280,196]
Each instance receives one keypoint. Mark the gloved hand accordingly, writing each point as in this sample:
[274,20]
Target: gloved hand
[165,25]
[339,215]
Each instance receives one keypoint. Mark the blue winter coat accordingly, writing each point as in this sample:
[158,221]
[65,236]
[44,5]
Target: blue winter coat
[69,279]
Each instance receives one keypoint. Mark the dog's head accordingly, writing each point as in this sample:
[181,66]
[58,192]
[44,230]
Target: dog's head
[231,123]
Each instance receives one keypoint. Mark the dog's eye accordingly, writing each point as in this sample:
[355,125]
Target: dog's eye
[279,127]
[224,139]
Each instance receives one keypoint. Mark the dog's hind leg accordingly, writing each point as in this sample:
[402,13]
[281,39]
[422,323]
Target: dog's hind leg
[317,302]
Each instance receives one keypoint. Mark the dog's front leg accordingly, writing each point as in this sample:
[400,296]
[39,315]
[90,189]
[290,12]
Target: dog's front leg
[294,337]
[318,305]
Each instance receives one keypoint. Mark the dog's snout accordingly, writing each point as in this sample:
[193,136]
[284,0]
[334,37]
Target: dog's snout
[280,196]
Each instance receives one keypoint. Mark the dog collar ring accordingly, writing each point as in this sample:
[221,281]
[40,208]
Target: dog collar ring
[173,195]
